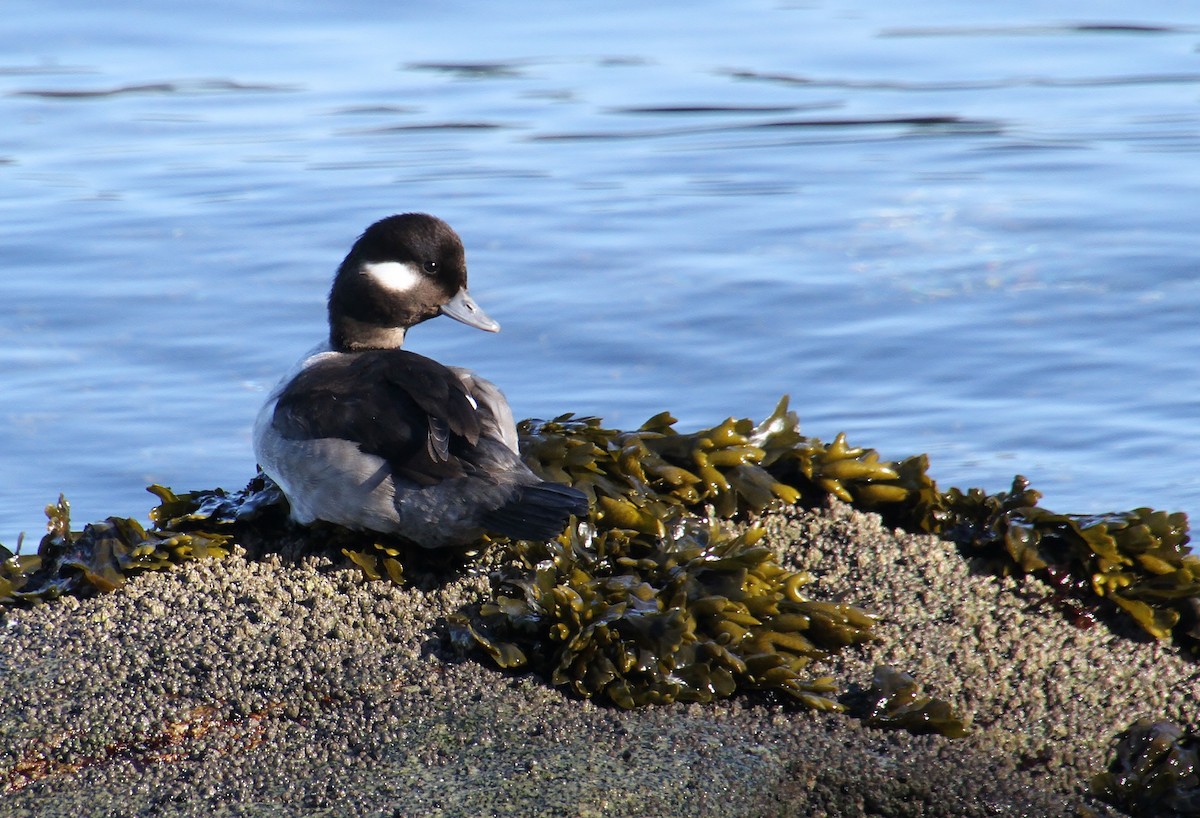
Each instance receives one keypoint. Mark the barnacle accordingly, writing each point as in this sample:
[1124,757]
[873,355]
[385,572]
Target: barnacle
[1156,771]
[639,619]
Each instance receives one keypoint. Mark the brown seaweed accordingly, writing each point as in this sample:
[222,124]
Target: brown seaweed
[1155,771]
[638,619]
[894,702]
[99,558]
[1135,564]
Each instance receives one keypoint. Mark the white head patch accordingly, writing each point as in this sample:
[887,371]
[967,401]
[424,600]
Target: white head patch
[393,275]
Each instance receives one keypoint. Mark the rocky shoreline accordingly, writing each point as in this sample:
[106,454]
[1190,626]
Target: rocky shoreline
[271,687]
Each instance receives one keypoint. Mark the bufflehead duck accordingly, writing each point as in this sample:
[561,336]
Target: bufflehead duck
[372,437]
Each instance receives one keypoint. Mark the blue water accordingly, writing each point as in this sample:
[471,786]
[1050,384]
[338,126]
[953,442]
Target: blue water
[961,229]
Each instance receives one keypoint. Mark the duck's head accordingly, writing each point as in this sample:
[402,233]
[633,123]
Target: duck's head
[403,270]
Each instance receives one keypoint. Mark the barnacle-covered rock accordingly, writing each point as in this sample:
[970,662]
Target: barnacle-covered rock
[894,702]
[691,616]
[1156,771]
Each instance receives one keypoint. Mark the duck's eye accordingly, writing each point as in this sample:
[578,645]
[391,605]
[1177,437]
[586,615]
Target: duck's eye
[430,266]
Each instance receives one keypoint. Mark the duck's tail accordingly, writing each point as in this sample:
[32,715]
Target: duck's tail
[538,512]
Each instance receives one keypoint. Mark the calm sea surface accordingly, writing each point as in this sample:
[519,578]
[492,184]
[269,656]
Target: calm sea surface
[955,228]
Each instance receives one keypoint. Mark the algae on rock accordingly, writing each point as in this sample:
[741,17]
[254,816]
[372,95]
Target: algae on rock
[651,599]
[99,558]
[694,615]
[1155,771]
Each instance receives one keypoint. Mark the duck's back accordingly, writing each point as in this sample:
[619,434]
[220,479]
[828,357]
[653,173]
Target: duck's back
[405,408]
[392,441]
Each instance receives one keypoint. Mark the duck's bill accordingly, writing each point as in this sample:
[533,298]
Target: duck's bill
[463,308]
